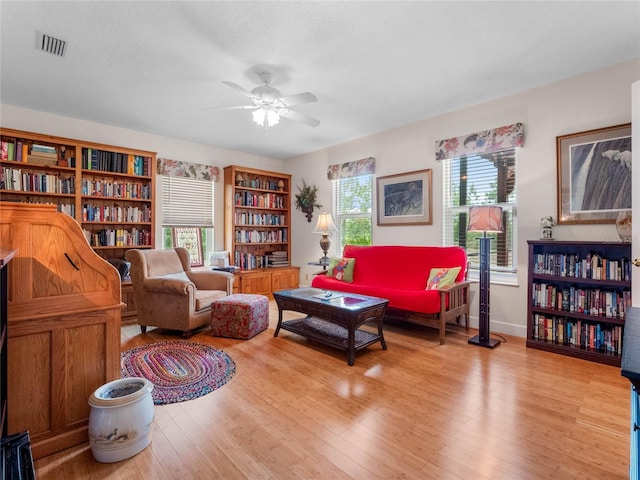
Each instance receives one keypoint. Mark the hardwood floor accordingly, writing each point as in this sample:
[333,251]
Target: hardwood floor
[419,410]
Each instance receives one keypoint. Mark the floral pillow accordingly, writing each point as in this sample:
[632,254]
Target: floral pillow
[341,268]
[441,277]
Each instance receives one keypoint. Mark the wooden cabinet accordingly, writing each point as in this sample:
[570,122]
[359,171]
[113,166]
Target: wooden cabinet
[109,190]
[63,326]
[257,229]
[579,295]
[5,258]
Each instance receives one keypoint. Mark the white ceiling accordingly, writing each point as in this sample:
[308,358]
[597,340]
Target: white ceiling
[158,67]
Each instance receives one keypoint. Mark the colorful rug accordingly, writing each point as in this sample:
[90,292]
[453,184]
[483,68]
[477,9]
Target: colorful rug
[179,370]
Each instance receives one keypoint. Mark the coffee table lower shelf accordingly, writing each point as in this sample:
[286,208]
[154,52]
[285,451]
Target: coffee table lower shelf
[331,334]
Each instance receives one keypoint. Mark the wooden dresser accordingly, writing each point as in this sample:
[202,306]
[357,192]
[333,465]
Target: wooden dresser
[64,310]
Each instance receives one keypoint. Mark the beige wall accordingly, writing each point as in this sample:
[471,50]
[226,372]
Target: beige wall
[593,100]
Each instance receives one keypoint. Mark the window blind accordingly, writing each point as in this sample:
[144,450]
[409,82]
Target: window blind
[481,180]
[187,202]
[352,200]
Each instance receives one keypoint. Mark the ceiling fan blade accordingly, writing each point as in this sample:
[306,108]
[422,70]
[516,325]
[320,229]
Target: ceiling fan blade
[236,107]
[240,90]
[299,99]
[299,117]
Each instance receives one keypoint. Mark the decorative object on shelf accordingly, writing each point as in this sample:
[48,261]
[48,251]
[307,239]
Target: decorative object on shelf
[405,198]
[306,199]
[281,185]
[325,227]
[594,174]
[484,218]
[623,225]
[547,225]
[239,179]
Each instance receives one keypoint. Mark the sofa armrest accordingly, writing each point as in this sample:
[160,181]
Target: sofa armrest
[212,280]
[168,285]
[454,286]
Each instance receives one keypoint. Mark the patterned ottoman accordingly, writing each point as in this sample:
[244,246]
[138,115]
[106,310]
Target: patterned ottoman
[240,315]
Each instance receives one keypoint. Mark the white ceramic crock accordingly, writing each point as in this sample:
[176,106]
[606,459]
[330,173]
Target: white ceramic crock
[120,419]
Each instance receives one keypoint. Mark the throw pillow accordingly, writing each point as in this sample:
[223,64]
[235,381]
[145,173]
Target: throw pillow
[341,268]
[441,277]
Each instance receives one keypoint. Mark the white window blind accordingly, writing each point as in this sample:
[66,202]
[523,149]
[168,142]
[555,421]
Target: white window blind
[187,202]
[480,180]
[352,200]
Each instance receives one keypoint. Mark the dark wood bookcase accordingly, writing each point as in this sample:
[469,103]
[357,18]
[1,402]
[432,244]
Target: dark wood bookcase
[578,296]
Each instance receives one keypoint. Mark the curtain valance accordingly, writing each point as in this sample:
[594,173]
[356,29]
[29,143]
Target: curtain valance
[501,138]
[175,168]
[365,166]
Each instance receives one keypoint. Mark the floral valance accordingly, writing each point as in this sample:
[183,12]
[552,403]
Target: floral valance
[175,168]
[365,166]
[492,140]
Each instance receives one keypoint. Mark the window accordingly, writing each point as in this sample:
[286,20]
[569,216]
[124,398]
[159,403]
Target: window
[352,199]
[479,180]
[188,202]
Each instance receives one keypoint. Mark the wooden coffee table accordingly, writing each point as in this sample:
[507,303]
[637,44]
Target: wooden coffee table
[333,318]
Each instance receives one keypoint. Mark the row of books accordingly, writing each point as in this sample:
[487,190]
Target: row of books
[592,266]
[18,180]
[118,237]
[261,236]
[116,162]
[103,188]
[248,261]
[596,337]
[596,302]
[18,150]
[262,184]
[263,200]
[250,218]
[114,213]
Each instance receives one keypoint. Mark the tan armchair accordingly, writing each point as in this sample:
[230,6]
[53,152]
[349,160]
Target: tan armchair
[168,294]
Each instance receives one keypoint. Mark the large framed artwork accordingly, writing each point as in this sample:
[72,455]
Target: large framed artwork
[405,198]
[594,174]
[190,239]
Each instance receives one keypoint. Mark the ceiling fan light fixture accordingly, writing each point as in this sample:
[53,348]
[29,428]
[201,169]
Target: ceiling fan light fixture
[266,117]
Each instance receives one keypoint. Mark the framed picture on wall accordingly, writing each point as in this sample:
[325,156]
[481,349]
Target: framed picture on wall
[404,199]
[190,239]
[594,174]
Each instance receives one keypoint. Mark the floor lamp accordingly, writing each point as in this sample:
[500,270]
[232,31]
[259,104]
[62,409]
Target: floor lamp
[484,218]
[326,227]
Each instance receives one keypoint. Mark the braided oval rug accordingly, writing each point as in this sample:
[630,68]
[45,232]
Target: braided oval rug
[179,370]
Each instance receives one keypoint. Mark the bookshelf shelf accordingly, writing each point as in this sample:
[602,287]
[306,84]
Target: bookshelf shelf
[63,164]
[258,207]
[579,294]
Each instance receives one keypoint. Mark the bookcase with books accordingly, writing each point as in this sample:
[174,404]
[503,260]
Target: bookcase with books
[109,190]
[257,229]
[578,294]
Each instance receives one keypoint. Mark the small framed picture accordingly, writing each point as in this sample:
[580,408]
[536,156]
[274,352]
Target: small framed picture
[405,198]
[594,174]
[190,239]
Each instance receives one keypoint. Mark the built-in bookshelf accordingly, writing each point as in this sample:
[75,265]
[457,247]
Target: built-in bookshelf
[109,190]
[257,229]
[579,294]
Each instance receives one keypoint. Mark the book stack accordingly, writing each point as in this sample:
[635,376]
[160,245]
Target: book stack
[278,258]
[43,155]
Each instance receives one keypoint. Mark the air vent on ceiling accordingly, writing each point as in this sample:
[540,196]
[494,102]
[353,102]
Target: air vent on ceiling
[50,44]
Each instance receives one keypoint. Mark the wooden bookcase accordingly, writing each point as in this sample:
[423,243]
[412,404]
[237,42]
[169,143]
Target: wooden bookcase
[579,293]
[257,229]
[108,190]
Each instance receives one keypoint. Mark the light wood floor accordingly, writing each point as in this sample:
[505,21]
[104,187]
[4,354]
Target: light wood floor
[296,410]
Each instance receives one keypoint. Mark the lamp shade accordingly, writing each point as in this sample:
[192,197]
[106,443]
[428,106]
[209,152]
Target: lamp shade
[485,218]
[325,224]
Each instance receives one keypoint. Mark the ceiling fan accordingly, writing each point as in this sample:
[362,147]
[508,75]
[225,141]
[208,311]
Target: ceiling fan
[269,104]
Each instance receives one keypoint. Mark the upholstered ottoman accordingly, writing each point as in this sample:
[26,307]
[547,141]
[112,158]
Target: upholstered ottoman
[240,315]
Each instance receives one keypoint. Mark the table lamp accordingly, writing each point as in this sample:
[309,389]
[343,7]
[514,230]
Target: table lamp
[484,218]
[325,227]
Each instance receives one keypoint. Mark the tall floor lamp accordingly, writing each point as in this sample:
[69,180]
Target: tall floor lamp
[326,227]
[484,218]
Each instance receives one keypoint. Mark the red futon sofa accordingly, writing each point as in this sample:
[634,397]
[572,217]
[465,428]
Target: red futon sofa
[400,274]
